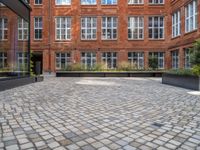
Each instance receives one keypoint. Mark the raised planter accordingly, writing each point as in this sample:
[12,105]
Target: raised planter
[109,74]
[188,82]
[12,82]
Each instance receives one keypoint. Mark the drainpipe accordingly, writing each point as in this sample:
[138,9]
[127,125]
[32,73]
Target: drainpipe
[49,36]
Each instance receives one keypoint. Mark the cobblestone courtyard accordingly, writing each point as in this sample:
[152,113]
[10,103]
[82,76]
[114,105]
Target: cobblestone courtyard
[99,113]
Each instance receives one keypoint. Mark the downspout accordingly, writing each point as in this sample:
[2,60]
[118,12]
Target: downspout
[49,36]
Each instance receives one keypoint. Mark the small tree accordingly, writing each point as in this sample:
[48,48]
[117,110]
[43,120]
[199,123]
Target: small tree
[195,57]
[153,62]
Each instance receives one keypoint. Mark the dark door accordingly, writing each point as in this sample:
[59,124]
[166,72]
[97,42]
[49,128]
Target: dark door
[37,62]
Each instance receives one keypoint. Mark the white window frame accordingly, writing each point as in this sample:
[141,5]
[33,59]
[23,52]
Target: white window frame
[161,59]
[24,58]
[4,28]
[88,2]
[38,26]
[63,2]
[38,2]
[159,27]
[89,28]
[136,58]
[23,28]
[136,23]
[191,16]
[156,2]
[59,28]
[187,63]
[106,2]
[3,58]
[175,59]
[113,56]
[135,2]
[176,24]
[59,57]
[111,25]
[88,56]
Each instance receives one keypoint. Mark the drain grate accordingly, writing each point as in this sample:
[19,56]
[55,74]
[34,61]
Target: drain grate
[159,125]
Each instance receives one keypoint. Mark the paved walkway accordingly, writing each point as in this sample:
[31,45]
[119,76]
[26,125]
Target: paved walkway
[99,113]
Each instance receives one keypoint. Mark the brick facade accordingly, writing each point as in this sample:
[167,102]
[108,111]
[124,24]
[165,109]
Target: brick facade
[48,46]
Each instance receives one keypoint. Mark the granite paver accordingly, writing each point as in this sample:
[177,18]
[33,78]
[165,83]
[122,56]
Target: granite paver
[99,113]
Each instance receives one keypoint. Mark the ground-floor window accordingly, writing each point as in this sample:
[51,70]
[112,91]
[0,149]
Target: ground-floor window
[22,61]
[187,58]
[110,59]
[3,60]
[136,59]
[160,59]
[88,59]
[175,59]
[62,60]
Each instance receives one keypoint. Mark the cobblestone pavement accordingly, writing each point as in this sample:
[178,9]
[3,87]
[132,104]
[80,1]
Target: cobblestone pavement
[99,113]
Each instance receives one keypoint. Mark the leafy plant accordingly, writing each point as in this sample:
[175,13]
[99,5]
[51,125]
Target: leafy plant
[195,53]
[153,62]
[196,70]
[126,66]
[186,72]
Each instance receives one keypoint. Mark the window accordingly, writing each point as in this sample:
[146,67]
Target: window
[88,28]
[176,24]
[88,59]
[22,29]
[187,59]
[109,2]
[63,2]
[191,16]
[136,59]
[3,28]
[38,28]
[160,56]
[135,28]
[156,1]
[38,2]
[156,27]
[62,60]
[135,1]
[175,59]
[110,59]
[22,61]
[88,2]
[109,28]
[3,60]
[63,28]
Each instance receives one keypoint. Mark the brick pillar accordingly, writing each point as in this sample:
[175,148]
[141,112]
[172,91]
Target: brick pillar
[122,56]
[181,58]
[168,60]
[146,60]
[98,56]
[45,60]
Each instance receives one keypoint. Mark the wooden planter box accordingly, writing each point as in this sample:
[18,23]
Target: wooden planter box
[108,74]
[188,82]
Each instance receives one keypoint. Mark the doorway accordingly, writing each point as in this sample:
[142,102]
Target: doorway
[37,60]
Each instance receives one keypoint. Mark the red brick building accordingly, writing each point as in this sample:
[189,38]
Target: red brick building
[113,31]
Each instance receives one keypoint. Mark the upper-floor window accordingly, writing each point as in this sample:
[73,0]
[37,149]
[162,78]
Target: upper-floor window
[109,28]
[191,16]
[88,2]
[38,2]
[22,29]
[156,1]
[63,60]
[63,28]
[88,28]
[156,27]
[136,59]
[38,28]
[135,27]
[135,1]
[63,2]
[88,60]
[3,28]
[109,2]
[176,24]
[3,59]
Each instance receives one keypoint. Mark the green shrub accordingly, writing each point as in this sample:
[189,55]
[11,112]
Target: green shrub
[186,72]
[126,66]
[153,63]
[196,70]
[100,67]
[195,53]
